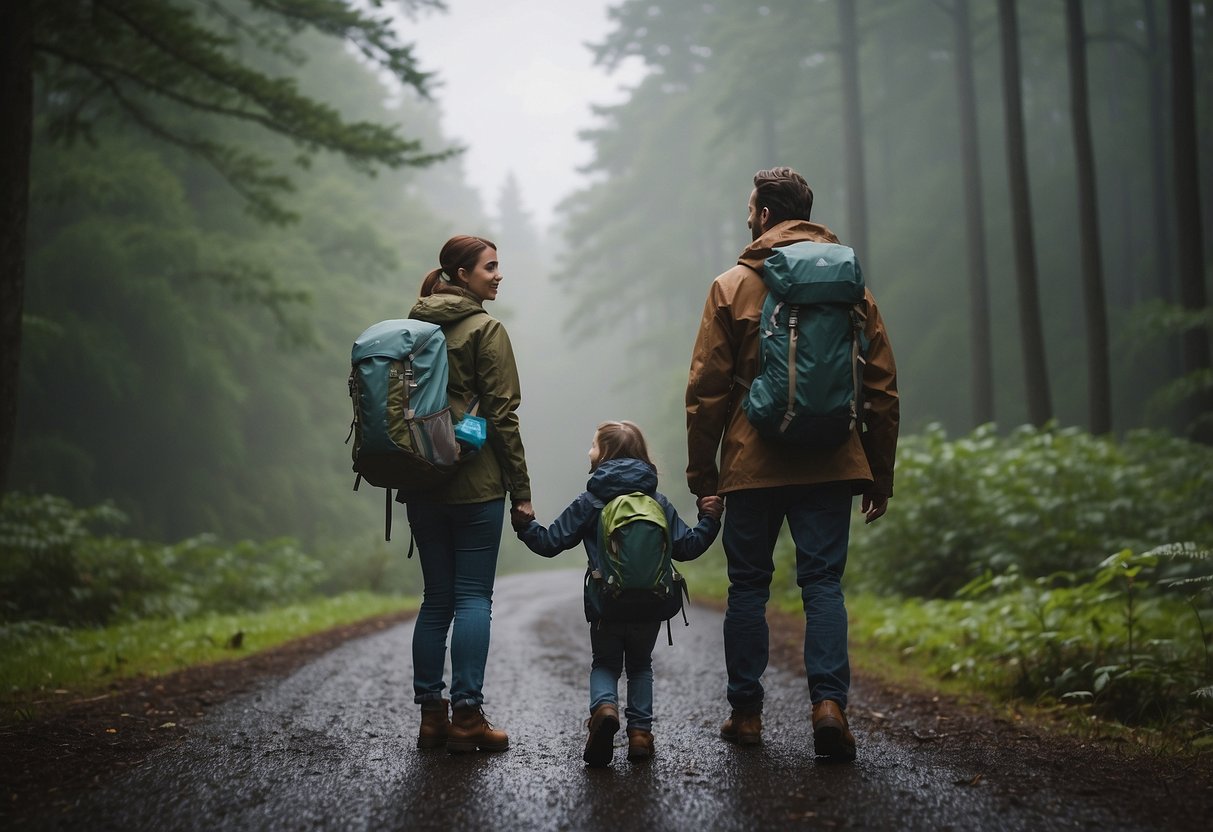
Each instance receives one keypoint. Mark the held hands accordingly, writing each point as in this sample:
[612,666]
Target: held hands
[521,514]
[712,506]
[873,506]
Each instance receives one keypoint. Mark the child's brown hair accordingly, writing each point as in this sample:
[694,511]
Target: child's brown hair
[621,440]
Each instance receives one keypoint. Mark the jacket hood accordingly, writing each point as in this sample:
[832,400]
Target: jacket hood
[445,308]
[792,231]
[621,476]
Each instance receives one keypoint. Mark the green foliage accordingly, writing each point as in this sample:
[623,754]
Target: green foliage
[55,570]
[1116,638]
[151,61]
[1156,320]
[1041,501]
[35,656]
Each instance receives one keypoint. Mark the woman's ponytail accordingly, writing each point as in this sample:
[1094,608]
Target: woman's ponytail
[429,282]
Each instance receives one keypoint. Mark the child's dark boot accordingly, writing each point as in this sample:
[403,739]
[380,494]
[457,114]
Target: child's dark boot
[600,744]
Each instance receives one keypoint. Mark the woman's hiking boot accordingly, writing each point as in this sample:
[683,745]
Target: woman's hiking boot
[743,727]
[470,730]
[435,720]
[831,736]
[600,744]
[640,744]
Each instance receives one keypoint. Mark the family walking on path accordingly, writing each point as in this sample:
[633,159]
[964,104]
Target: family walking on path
[776,463]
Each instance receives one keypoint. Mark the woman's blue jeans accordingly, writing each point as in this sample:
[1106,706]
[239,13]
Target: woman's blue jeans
[457,546]
[617,647]
[819,519]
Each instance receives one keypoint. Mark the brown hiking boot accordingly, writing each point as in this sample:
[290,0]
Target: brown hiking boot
[435,720]
[831,736]
[743,727]
[600,744]
[640,744]
[471,730]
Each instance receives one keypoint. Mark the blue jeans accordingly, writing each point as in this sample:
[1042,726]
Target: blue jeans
[618,646]
[819,519]
[457,546]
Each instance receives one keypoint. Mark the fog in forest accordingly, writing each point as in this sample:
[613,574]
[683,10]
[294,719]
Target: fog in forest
[186,358]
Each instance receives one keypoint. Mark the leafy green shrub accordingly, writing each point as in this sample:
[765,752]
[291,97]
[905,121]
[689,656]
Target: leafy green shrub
[55,569]
[1039,500]
[1131,645]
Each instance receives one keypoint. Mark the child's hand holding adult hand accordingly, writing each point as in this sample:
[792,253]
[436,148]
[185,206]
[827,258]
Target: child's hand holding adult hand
[521,515]
[712,506]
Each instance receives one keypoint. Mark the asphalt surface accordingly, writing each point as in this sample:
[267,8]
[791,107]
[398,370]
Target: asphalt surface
[332,747]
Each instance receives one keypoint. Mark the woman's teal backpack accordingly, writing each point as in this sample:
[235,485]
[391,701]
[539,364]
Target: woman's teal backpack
[402,431]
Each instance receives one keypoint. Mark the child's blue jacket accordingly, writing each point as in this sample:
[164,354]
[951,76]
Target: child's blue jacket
[579,522]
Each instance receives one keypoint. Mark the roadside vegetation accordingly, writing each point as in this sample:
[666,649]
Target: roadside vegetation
[1047,566]
[81,607]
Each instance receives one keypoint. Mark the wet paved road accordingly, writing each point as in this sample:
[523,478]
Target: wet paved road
[332,748]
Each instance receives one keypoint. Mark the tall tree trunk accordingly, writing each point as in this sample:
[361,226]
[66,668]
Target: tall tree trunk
[981,354]
[17,105]
[1099,376]
[1190,259]
[1123,286]
[1155,58]
[852,131]
[1036,377]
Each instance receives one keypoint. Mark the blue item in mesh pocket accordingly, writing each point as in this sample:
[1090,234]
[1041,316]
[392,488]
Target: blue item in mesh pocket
[472,431]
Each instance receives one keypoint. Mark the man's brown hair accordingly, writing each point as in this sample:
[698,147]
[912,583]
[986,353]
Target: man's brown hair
[784,193]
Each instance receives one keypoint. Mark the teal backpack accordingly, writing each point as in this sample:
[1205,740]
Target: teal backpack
[809,387]
[635,579]
[402,431]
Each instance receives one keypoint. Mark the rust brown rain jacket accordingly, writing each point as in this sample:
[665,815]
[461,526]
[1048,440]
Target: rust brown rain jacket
[727,348]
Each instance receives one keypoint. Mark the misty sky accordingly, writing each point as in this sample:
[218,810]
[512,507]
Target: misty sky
[518,83]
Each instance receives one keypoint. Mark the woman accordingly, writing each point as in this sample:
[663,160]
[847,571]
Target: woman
[458,533]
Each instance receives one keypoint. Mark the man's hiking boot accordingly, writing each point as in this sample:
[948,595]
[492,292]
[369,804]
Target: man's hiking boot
[471,730]
[435,720]
[743,727]
[640,744]
[600,744]
[831,736]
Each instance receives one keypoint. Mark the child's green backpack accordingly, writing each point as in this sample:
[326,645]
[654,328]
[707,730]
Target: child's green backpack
[809,387]
[635,579]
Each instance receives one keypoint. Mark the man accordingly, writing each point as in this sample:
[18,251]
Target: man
[766,481]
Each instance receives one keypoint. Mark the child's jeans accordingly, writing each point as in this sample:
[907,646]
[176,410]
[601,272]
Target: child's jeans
[617,647]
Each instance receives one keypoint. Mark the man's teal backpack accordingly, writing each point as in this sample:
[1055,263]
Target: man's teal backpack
[809,387]
[402,431]
[635,579]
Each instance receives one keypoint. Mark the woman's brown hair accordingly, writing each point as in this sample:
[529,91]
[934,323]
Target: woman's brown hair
[621,440]
[460,252]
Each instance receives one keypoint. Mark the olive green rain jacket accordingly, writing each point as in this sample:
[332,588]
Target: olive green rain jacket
[482,364]
[727,349]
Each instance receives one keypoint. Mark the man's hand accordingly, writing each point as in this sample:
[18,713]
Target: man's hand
[712,506]
[874,506]
[521,514]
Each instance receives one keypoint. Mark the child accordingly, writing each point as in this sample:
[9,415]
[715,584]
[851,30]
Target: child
[619,464]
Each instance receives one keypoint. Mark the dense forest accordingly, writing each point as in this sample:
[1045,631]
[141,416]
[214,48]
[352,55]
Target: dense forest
[1038,248]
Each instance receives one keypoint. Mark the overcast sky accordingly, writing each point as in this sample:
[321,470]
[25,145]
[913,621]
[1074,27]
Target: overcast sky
[518,83]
